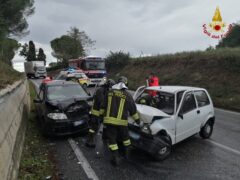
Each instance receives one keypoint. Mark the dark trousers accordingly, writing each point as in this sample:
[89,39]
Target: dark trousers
[94,124]
[117,134]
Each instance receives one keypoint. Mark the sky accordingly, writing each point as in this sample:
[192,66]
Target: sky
[140,27]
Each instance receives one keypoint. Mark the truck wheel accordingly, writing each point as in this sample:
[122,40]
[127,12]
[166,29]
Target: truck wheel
[165,149]
[206,130]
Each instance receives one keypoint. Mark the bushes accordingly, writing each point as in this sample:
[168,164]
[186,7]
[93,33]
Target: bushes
[117,60]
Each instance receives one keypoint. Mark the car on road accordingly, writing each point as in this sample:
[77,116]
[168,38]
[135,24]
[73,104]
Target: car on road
[174,114]
[62,108]
[79,77]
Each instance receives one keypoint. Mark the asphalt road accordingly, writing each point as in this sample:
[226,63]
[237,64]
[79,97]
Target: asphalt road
[194,158]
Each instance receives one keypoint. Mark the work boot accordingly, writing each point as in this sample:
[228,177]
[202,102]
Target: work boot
[115,161]
[90,141]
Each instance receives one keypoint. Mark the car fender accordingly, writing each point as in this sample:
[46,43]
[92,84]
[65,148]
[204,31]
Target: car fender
[210,116]
[157,127]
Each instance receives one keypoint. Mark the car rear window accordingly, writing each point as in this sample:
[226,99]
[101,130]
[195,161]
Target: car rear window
[202,98]
[65,92]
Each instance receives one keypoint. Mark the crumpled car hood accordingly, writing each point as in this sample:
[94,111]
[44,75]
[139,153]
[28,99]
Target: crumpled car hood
[66,103]
[147,113]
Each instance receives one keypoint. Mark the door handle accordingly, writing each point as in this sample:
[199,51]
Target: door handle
[198,111]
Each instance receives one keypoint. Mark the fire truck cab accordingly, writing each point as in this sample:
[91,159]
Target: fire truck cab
[92,66]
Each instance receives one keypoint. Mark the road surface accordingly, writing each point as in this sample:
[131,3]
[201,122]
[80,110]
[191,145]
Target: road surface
[194,158]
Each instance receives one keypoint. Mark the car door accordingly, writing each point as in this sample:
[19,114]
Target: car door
[40,105]
[187,120]
[205,108]
[138,92]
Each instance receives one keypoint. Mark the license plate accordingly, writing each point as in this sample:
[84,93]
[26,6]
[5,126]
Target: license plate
[77,123]
[134,135]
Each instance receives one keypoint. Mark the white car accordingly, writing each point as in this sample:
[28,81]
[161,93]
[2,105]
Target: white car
[172,115]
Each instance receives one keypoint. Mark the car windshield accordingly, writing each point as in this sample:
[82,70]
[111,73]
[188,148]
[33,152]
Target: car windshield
[95,65]
[163,101]
[60,92]
[80,75]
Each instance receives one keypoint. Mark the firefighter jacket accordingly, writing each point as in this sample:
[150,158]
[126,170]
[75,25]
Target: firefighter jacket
[117,106]
[97,100]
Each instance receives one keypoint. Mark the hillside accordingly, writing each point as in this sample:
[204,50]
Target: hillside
[8,75]
[217,70]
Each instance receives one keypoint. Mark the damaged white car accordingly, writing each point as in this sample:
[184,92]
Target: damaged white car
[173,114]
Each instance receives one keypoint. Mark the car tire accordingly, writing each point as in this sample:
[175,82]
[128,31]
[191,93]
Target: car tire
[164,151]
[206,130]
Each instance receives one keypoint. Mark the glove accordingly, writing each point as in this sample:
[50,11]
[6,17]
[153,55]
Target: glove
[137,121]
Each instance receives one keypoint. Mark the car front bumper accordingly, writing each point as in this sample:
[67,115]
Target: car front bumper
[66,127]
[146,142]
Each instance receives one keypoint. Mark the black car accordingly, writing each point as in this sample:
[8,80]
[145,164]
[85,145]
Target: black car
[62,108]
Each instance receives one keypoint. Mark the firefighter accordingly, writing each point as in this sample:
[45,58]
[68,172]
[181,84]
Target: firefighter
[96,115]
[153,81]
[118,105]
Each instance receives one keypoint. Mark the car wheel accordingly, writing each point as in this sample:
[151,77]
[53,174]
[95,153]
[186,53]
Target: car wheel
[165,149]
[206,130]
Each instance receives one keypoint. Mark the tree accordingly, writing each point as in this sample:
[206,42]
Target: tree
[13,22]
[70,46]
[24,51]
[81,37]
[41,56]
[8,47]
[13,15]
[232,39]
[31,55]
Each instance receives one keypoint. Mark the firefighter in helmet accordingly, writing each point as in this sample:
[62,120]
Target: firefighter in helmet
[96,115]
[118,105]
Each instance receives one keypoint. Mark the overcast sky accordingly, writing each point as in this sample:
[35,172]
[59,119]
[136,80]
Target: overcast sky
[146,27]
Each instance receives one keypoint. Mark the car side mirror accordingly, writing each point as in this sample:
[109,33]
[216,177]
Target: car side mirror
[37,101]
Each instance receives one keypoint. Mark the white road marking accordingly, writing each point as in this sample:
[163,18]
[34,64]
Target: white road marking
[84,163]
[224,147]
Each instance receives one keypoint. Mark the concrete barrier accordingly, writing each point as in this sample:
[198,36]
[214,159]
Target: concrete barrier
[14,111]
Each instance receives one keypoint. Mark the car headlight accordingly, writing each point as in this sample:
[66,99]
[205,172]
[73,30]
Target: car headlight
[57,116]
[146,128]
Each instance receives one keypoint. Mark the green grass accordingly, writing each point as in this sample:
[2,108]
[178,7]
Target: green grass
[36,161]
[216,70]
[8,75]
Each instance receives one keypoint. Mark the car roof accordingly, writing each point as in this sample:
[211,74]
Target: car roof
[173,89]
[60,82]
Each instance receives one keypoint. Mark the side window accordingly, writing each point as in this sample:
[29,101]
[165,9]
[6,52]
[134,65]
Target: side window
[189,103]
[202,98]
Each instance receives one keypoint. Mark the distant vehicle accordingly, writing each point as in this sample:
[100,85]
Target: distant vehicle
[93,67]
[35,69]
[174,114]
[78,76]
[62,108]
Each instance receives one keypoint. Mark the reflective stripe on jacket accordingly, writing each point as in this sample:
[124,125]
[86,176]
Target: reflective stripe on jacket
[119,104]
[98,99]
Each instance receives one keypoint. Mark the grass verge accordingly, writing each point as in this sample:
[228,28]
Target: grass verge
[8,75]
[36,162]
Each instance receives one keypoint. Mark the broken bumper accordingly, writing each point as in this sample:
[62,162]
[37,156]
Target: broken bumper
[146,142]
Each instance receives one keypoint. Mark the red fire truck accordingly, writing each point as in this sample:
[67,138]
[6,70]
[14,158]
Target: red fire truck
[92,66]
